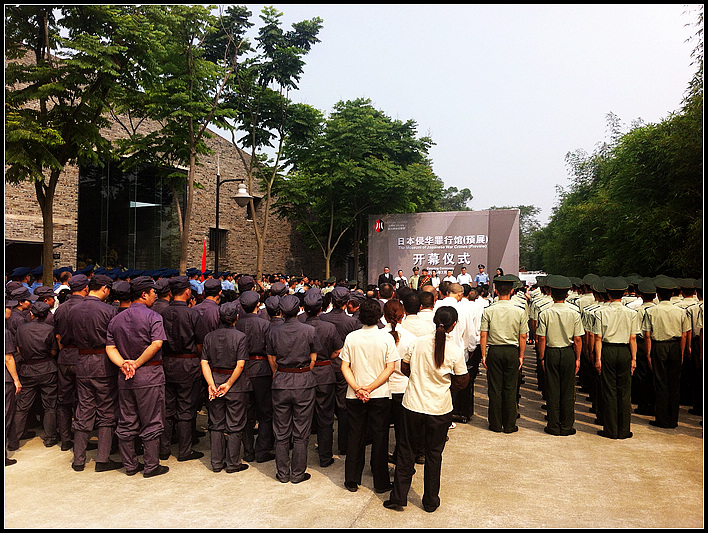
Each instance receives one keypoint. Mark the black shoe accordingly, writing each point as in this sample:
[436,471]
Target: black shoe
[192,455]
[238,468]
[28,435]
[78,468]
[50,443]
[67,445]
[420,460]
[109,465]
[429,508]
[495,430]
[327,462]
[658,424]
[693,411]
[140,468]
[551,432]
[388,504]
[161,469]
[92,445]
[627,436]
[351,486]
[305,477]
[265,458]
[10,462]
[250,458]
[13,447]
[381,490]
[604,433]
[164,456]
[512,430]
[217,469]
[571,431]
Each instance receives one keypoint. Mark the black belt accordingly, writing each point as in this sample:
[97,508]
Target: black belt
[293,370]
[615,343]
[181,355]
[92,351]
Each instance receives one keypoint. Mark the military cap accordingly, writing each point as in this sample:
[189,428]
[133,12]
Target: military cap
[228,311]
[162,286]
[589,279]
[331,279]
[78,282]
[313,299]
[646,286]
[207,273]
[38,271]
[11,286]
[357,296]
[699,283]
[121,290]
[43,291]
[21,294]
[141,284]
[289,304]
[57,271]
[598,285]
[340,296]
[179,283]
[272,304]
[87,269]
[480,266]
[99,270]
[665,282]
[278,289]
[415,269]
[249,298]
[20,272]
[39,309]
[616,284]
[506,278]
[245,283]
[686,283]
[212,286]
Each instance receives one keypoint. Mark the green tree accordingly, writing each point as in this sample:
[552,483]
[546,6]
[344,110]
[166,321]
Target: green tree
[455,200]
[258,96]
[356,163]
[56,103]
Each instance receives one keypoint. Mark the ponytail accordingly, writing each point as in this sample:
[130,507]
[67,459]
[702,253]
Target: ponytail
[445,319]
[393,313]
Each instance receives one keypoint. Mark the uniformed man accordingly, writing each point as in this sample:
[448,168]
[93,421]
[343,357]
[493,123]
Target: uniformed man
[292,351]
[695,314]
[223,358]
[503,332]
[642,379]
[345,324]
[163,295]
[258,372]
[183,373]
[616,329]
[666,330]
[66,361]
[413,281]
[96,386]
[560,342]
[134,344]
[37,349]
[208,309]
[330,346]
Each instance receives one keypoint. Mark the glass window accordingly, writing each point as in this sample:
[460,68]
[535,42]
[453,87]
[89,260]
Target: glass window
[129,219]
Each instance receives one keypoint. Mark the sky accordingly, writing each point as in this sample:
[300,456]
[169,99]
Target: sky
[504,91]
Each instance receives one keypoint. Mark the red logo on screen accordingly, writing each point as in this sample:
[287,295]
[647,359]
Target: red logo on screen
[379,226]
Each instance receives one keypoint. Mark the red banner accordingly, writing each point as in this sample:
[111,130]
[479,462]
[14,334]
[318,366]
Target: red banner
[204,259]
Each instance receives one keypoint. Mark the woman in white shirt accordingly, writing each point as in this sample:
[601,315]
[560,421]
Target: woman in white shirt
[368,359]
[405,342]
[436,364]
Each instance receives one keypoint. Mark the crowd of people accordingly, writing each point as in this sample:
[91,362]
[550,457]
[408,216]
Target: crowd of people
[134,356]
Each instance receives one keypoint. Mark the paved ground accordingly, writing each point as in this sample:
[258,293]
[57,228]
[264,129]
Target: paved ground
[527,479]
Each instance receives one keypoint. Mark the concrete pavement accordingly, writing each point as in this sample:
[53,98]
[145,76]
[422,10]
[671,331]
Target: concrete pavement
[527,479]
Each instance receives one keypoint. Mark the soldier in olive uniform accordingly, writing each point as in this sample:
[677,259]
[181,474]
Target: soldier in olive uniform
[666,329]
[560,341]
[503,333]
[616,329]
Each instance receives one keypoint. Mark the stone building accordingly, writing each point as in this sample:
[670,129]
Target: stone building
[112,218]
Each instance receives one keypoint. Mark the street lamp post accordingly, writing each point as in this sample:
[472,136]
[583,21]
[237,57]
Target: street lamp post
[242,198]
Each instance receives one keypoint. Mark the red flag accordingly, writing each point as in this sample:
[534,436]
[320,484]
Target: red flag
[204,259]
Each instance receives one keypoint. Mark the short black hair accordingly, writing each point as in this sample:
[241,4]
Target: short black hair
[370,312]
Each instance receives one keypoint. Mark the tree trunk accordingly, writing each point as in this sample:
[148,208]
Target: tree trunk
[184,237]
[45,198]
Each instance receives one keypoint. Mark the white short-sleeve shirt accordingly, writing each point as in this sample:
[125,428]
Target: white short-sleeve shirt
[368,350]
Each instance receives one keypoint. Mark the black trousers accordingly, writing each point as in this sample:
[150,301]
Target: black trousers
[666,362]
[374,415]
[560,389]
[616,378]
[432,430]
[503,386]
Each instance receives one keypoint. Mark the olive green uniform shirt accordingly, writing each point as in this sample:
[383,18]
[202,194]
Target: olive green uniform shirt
[559,324]
[616,322]
[666,321]
[504,323]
